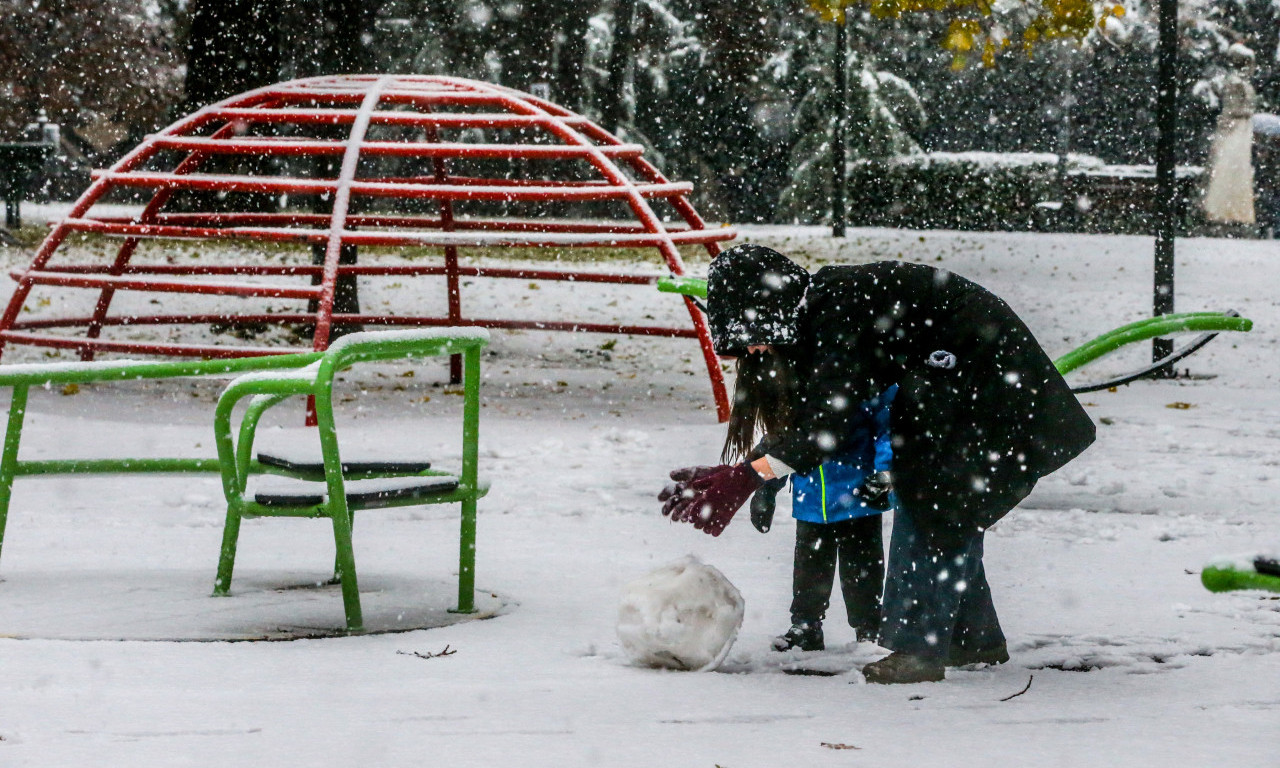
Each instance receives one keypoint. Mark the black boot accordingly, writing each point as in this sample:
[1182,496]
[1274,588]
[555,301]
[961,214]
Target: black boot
[867,633]
[962,657]
[900,667]
[806,636]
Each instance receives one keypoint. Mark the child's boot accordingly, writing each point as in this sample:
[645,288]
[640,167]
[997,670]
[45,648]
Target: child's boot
[803,635]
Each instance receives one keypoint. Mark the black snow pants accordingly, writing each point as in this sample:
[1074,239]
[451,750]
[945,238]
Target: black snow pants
[857,545]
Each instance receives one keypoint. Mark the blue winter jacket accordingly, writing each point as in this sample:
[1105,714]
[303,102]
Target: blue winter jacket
[826,495]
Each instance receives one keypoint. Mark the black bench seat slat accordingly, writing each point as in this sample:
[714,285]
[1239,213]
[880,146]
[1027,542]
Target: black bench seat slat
[370,492]
[352,467]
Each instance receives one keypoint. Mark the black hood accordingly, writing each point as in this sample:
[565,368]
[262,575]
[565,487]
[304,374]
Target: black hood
[753,297]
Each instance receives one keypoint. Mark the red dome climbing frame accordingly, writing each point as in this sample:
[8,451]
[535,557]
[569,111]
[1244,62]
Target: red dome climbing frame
[389,161]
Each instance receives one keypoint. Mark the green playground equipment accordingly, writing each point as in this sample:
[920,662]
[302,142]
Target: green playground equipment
[329,488]
[686,286]
[1263,573]
[1208,324]
[333,499]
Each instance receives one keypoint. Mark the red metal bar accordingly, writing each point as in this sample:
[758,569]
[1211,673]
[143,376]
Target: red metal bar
[545,191]
[547,240]
[214,218]
[338,218]
[389,270]
[397,94]
[480,181]
[339,318]
[293,146]
[414,119]
[159,286]
[441,239]
[143,348]
[453,291]
[400,95]
[205,182]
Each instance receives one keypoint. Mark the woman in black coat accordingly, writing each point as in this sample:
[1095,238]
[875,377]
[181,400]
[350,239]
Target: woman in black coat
[981,414]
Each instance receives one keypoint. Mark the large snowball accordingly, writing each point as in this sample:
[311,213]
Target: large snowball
[682,616]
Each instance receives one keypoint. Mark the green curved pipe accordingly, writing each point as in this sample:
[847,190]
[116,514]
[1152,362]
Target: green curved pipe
[1152,327]
[689,286]
[1226,577]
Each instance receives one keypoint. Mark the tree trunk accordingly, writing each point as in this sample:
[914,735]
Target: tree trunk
[567,88]
[841,107]
[613,105]
[233,47]
[348,34]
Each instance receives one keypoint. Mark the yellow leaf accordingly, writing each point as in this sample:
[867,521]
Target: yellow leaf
[1112,11]
[830,10]
[960,35]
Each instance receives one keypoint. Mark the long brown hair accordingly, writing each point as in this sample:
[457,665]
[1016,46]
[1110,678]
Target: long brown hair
[763,400]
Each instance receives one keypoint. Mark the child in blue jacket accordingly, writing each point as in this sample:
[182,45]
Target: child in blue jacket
[838,509]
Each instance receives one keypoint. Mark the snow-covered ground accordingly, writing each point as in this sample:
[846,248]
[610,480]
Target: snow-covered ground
[1095,575]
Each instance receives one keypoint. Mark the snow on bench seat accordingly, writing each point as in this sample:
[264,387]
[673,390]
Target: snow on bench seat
[289,492]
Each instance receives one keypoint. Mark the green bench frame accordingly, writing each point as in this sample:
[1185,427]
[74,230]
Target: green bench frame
[271,380]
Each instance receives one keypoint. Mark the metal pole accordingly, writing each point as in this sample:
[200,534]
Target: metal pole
[1168,208]
[838,132]
[1067,101]
[9,458]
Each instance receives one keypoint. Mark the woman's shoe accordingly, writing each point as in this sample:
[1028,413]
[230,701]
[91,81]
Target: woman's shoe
[900,667]
[805,636]
[963,657]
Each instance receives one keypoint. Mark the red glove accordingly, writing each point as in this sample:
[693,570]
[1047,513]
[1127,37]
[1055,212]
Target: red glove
[709,500]
[675,492]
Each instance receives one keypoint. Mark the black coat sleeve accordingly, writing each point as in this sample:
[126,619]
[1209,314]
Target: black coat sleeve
[849,355]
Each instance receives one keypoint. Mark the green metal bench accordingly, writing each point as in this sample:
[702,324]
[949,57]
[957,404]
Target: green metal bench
[272,379]
[331,489]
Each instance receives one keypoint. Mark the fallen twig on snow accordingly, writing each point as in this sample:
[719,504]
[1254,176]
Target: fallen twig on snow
[1024,690]
[428,654]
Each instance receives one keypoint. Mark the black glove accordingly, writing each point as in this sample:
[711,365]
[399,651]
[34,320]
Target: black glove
[762,504]
[874,491]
